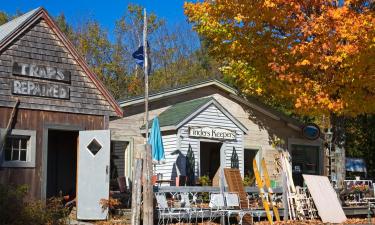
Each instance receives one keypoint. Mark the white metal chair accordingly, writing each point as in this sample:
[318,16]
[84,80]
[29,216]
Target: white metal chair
[186,206]
[164,211]
[234,206]
[216,205]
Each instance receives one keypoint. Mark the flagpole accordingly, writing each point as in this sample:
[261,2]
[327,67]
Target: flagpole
[148,216]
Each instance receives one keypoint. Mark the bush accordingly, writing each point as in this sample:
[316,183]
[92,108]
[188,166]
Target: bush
[14,209]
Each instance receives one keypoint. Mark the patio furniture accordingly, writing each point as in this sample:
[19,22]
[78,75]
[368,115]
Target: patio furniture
[233,206]
[166,212]
[216,206]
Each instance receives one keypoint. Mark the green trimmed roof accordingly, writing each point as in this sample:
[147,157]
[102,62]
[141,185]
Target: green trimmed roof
[177,113]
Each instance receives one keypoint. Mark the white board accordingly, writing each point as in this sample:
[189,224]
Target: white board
[93,174]
[325,199]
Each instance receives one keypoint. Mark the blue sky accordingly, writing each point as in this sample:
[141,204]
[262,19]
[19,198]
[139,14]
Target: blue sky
[106,12]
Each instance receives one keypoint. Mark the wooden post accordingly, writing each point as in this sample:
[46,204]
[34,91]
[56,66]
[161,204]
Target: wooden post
[148,215]
[285,195]
[9,127]
[137,185]
[148,209]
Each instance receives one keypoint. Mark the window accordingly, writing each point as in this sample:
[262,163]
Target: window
[305,160]
[16,148]
[19,149]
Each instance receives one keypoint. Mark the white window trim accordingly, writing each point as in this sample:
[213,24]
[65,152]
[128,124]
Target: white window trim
[31,152]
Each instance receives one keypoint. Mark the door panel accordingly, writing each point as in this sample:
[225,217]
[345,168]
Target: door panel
[93,174]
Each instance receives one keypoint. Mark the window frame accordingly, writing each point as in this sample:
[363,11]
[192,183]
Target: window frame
[31,151]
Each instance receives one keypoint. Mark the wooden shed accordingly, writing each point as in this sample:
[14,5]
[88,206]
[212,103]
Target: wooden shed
[59,97]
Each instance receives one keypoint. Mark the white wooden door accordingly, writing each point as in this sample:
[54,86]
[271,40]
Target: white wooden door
[93,174]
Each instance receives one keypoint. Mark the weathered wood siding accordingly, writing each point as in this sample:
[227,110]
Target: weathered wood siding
[37,120]
[212,117]
[40,45]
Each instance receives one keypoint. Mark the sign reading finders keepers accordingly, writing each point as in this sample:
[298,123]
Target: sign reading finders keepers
[211,132]
[40,89]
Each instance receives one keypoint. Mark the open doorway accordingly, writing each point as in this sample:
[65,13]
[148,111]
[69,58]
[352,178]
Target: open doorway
[249,156]
[62,163]
[120,164]
[209,158]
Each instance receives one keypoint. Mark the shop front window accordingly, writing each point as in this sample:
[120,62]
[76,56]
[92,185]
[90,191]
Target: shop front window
[305,160]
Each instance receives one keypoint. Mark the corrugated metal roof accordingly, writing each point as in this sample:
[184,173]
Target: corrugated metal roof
[8,28]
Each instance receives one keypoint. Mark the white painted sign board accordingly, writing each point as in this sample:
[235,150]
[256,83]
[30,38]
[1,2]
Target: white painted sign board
[212,133]
[93,174]
[325,199]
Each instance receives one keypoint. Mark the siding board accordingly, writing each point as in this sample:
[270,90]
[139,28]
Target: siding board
[40,45]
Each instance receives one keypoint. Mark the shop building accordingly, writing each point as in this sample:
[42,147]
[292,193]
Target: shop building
[220,127]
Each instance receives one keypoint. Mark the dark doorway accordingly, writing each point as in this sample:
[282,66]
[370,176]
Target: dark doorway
[62,163]
[210,158]
[249,155]
[305,160]
[118,167]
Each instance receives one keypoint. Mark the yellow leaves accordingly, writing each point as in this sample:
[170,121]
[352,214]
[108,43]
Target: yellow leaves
[304,62]
[269,4]
[307,59]
[238,18]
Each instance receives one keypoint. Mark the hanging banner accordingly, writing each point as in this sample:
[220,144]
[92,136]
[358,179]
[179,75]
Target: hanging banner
[212,133]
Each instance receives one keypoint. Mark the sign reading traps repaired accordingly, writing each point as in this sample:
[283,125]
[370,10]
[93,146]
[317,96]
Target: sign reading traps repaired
[41,72]
[23,87]
[53,87]
[212,133]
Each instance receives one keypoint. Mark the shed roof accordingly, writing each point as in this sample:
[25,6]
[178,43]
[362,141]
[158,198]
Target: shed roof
[178,114]
[8,28]
[14,28]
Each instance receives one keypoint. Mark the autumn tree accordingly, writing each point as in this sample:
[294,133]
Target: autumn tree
[319,55]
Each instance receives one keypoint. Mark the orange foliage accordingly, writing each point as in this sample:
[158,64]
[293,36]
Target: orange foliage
[318,54]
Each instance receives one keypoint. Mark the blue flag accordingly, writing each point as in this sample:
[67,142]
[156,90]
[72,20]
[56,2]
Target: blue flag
[139,56]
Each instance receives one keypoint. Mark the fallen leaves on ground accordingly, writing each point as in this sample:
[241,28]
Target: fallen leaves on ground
[315,222]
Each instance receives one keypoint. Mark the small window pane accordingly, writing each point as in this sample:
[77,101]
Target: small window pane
[8,143]
[15,143]
[15,155]
[8,153]
[23,156]
[23,143]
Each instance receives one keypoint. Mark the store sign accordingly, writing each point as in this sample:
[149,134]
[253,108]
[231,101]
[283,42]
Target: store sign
[41,72]
[33,88]
[212,133]
[311,131]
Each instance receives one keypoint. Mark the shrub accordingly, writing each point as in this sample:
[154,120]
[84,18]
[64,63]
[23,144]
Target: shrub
[14,209]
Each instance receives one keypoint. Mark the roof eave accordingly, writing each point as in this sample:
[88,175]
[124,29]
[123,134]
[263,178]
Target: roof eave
[42,13]
[178,91]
